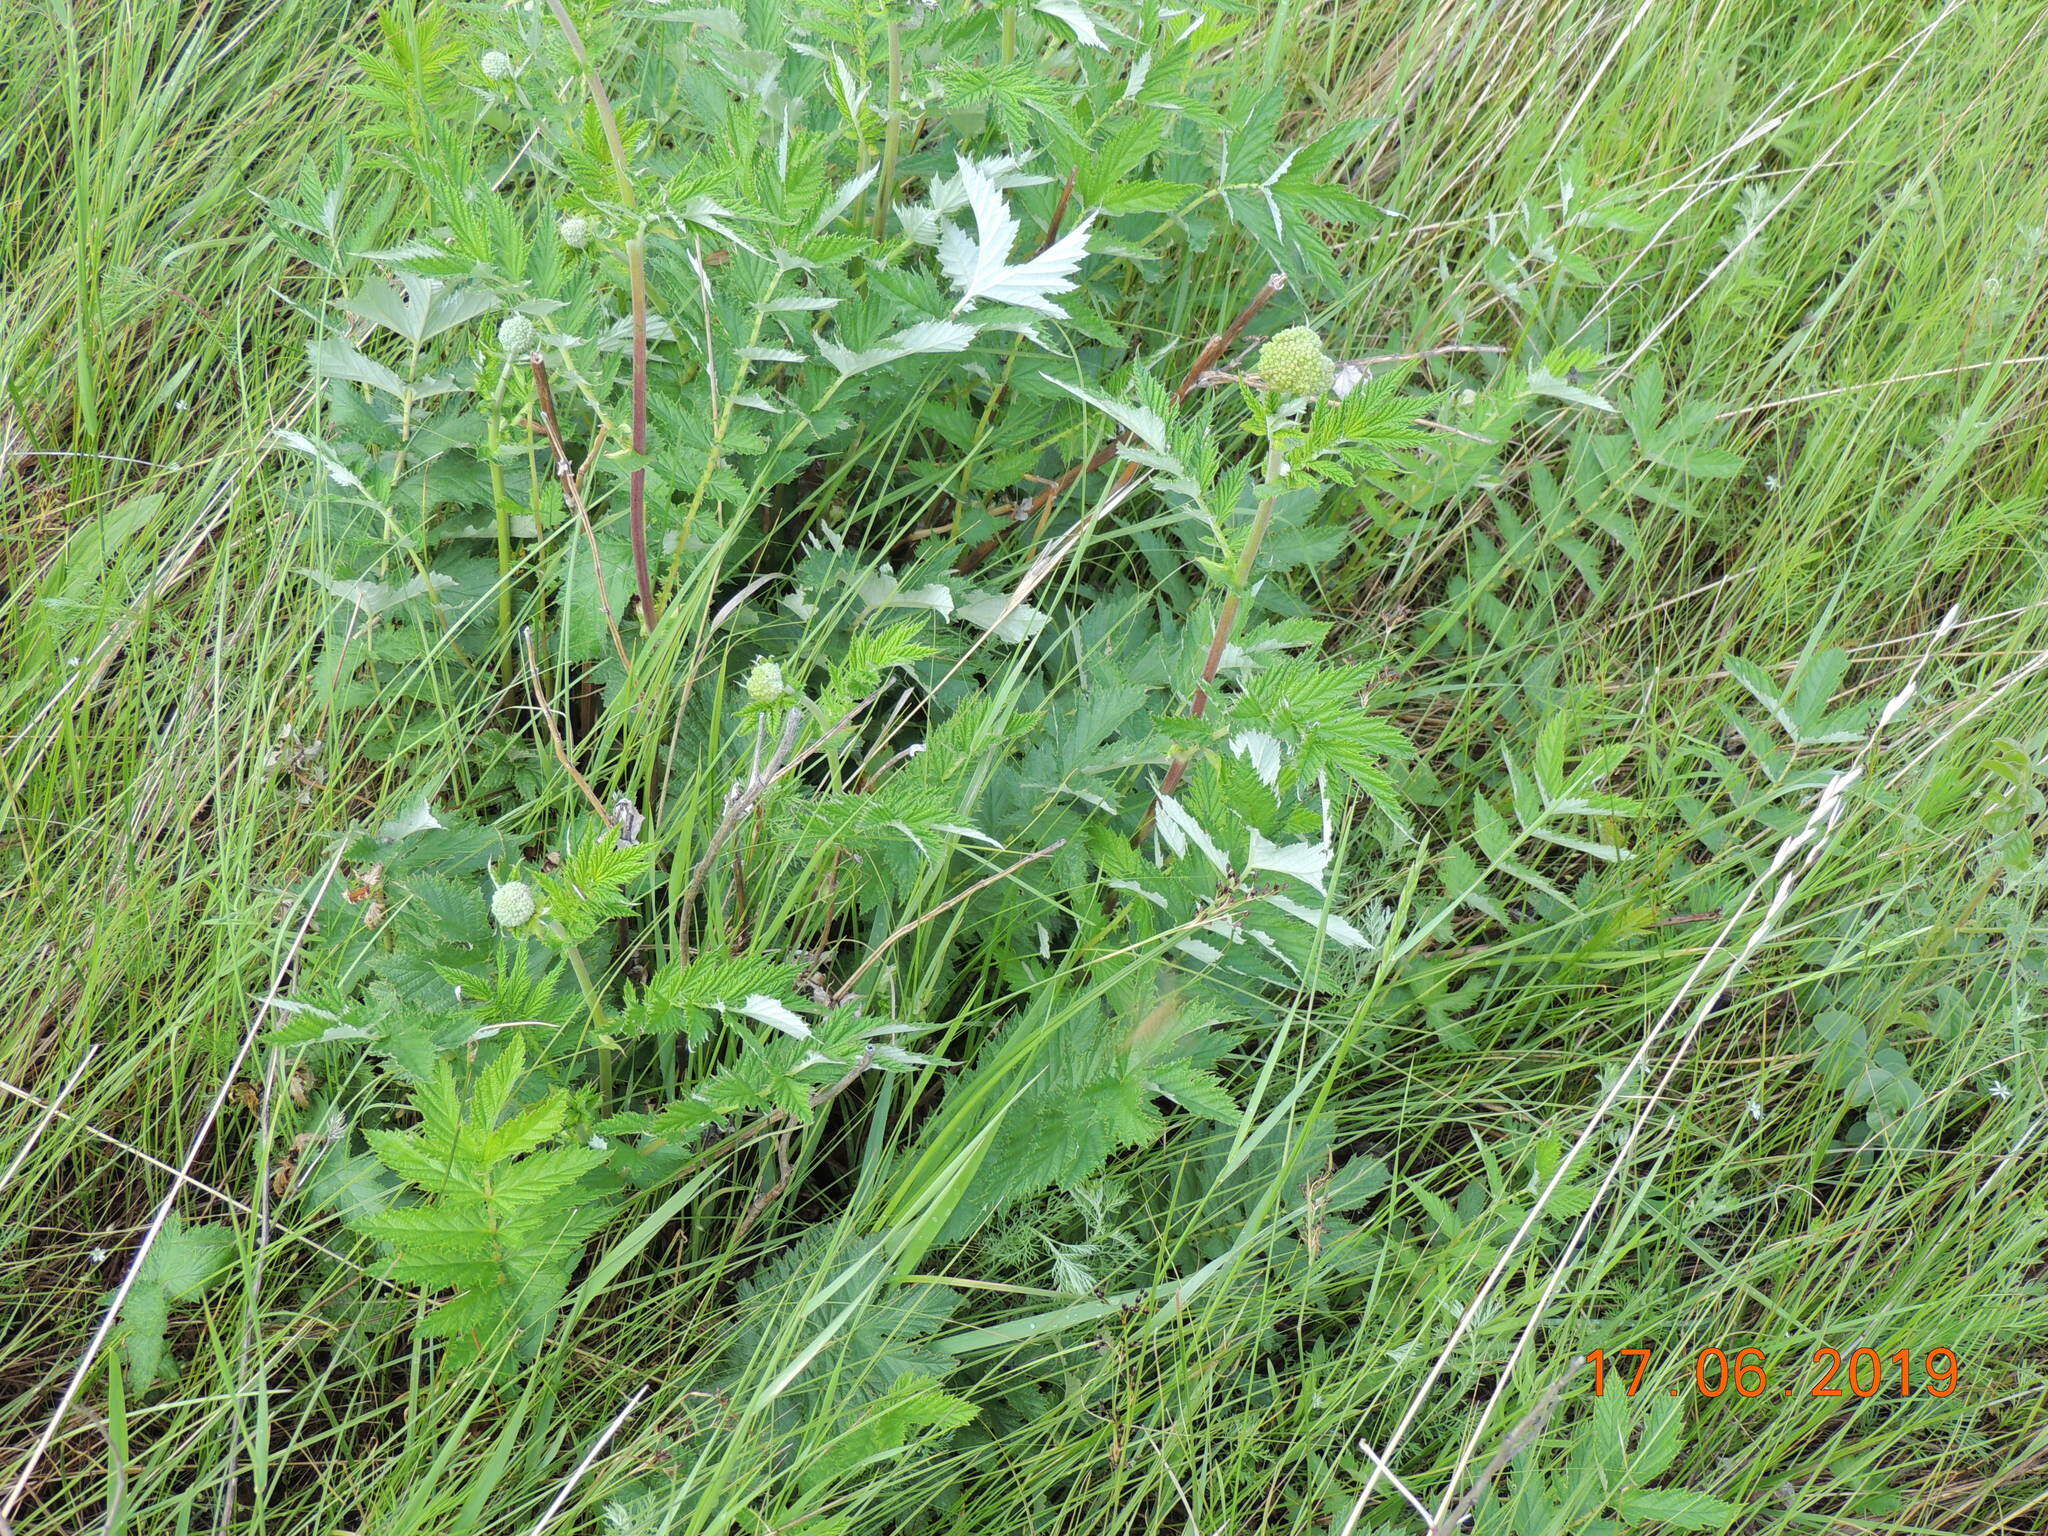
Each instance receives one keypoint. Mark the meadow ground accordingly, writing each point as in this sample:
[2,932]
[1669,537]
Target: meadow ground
[1820,236]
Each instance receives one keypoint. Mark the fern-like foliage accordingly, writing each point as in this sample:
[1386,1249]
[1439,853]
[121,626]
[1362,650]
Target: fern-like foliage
[589,888]
[503,1214]
[1069,1083]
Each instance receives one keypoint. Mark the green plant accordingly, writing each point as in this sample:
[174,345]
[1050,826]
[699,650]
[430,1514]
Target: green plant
[1828,283]
[184,1264]
[505,1221]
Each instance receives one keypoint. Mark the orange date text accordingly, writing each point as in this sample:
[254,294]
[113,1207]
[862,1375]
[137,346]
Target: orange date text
[1753,1373]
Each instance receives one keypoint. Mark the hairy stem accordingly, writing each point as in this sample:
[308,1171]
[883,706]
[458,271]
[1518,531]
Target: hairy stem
[636,263]
[892,133]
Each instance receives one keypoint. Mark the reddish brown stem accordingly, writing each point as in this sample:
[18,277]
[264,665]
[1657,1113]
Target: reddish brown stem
[1059,213]
[1226,621]
[572,493]
[1217,345]
[547,715]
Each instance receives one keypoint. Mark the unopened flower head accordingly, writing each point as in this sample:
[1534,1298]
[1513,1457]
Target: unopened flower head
[518,335]
[512,904]
[765,683]
[575,231]
[496,65]
[1294,363]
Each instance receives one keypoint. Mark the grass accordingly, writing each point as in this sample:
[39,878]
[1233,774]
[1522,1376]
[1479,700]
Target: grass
[1845,206]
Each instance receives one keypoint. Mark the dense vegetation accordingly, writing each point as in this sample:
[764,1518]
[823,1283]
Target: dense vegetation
[1025,767]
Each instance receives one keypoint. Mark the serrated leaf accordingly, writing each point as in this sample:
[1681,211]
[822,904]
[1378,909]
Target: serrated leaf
[372,597]
[332,357]
[1324,922]
[1142,422]
[1008,621]
[1177,829]
[1679,1508]
[1696,459]
[416,815]
[1196,1091]
[337,471]
[437,1172]
[426,307]
[925,338]
[183,1262]
[980,267]
[1543,382]
[1307,862]
[186,1259]
[1076,19]
[777,1015]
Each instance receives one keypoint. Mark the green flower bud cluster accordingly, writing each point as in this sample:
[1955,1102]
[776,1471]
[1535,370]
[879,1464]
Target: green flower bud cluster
[496,65]
[1295,364]
[765,683]
[575,231]
[512,904]
[518,335]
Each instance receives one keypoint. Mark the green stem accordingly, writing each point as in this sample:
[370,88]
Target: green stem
[892,134]
[607,118]
[636,263]
[502,505]
[590,993]
[672,573]
[595,1003]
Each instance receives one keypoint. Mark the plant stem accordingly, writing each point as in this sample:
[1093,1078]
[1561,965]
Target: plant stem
[723,424]
[1042,503]
[590,993]
[603,102]
[595,1003]
[501,505]
[1226,620]
[892,133]
[636,264]
[572,494]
